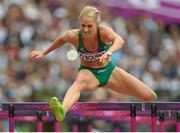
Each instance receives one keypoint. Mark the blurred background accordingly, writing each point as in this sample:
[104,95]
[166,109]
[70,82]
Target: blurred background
[151,29]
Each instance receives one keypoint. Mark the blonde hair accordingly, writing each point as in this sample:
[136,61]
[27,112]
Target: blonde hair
[91,11]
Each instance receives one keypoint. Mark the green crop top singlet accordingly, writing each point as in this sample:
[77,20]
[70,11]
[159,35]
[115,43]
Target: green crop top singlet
[91,55]
[102,73]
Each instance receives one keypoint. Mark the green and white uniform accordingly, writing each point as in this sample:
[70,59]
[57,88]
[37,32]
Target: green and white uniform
[103,73]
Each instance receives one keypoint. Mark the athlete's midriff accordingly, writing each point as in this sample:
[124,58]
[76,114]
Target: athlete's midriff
[93,64]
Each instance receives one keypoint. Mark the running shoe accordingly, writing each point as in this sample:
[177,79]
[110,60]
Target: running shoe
[57,108]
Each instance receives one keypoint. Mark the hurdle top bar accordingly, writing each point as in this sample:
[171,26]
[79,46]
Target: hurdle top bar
[80,106]
[92,106]
[164,106]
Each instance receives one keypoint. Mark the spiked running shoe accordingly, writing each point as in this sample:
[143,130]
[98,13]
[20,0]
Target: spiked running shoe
[57,108]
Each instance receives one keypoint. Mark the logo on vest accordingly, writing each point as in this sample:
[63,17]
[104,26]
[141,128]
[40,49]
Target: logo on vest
[102,70]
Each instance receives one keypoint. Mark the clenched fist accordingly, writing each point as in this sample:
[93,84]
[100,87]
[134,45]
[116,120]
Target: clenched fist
[36,55]
[105,57]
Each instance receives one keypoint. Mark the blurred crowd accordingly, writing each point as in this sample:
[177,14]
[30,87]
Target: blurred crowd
[151,52]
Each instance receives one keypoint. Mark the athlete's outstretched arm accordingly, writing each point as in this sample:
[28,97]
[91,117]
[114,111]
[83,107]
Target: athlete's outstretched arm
[59,41]
[117,42]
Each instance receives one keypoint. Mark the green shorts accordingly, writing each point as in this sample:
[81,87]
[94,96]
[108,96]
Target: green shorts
[102,74]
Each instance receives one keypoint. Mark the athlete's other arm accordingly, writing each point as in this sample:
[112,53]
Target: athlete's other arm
[117,42]
[68,37]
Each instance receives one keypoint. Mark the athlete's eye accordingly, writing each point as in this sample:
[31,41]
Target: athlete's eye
[83,25]
[89,26]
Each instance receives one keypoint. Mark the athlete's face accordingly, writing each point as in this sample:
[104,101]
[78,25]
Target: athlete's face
[88,26]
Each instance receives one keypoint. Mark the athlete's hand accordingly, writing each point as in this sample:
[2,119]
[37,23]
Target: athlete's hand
[36,55]
[105,57]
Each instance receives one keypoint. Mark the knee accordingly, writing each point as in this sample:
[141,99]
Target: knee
[149,97]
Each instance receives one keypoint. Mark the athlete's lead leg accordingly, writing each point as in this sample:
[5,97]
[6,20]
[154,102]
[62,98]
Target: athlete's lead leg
[84,81]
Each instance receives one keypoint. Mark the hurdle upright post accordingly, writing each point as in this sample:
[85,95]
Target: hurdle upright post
[178,121]
[57,126]
[11,117]
[75,127]
[39,121]
[153,117]
[133,117]
[89,128]
[161,120]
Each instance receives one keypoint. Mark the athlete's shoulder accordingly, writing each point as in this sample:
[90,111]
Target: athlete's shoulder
[108,34]
[73,36]
[73,33]
[104,29]
[104,32]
